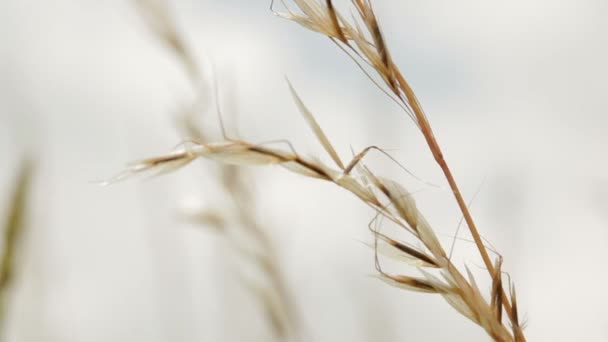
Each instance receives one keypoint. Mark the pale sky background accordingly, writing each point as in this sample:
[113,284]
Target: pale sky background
[515,91]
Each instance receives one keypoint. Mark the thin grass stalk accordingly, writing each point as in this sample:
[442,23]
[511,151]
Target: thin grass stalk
[429,136]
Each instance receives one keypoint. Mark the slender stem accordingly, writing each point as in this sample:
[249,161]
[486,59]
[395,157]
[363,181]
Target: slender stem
[431,141]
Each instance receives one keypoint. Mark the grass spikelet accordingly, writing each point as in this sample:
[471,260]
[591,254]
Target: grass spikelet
[515,324]
[496,294]
[336,22]
[312,122]
[400,251]
[407,283]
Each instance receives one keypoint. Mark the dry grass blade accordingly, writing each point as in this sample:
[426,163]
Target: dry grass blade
[408,283]
[496,294]
[160,165]
[13,230]
[366,13]
[336,22]
[312,122]
[423,260]
[516,325]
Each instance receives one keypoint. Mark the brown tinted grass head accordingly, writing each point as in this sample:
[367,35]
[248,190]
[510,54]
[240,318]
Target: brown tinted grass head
[360,36]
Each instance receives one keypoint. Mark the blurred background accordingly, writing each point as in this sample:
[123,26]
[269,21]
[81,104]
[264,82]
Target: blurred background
[514,90]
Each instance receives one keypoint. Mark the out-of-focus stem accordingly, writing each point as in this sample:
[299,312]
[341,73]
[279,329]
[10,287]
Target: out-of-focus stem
[13,230]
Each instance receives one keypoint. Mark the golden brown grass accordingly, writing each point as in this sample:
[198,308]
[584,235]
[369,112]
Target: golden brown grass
[360,37]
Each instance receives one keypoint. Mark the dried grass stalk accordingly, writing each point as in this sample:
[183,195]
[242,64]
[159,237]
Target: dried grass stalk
[362,39]
[366,45]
